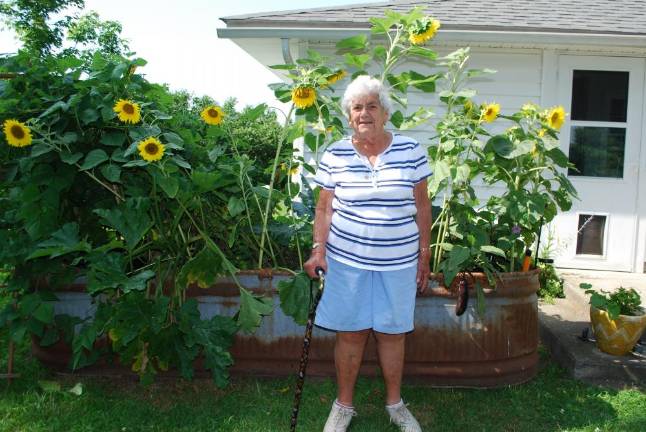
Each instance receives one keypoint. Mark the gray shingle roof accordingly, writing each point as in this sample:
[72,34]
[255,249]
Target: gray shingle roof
[626,17]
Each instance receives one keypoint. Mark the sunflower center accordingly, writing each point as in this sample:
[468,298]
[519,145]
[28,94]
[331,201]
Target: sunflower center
[151,148]
[213,113]
[555,117]
[128,108]
[17,132]
[303,93]
[489,111]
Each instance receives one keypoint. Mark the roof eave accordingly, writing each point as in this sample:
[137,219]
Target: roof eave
[446,36]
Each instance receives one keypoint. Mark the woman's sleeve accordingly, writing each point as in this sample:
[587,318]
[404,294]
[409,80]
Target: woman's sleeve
[422,167]
[324,177]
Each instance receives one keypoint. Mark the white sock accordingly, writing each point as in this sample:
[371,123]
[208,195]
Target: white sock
[336,401]
[397,405]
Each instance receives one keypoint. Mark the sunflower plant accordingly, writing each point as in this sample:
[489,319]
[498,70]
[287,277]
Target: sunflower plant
[101,185]
[524,165]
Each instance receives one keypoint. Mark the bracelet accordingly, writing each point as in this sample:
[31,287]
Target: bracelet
[424,249]
[316,245]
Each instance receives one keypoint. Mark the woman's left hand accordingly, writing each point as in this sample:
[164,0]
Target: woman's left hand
[423,270]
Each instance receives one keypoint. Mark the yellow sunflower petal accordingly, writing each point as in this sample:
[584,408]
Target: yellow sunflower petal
[212,115]
[127,111]
[556,117]
[490,112]
[151,149]
[303,97]
[337,76]
[17,133]
[418,38]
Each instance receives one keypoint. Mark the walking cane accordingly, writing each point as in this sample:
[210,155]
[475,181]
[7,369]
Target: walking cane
[306,347]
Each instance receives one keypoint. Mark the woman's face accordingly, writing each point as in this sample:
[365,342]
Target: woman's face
[367,116]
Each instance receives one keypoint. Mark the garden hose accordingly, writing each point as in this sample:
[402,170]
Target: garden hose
[306,347]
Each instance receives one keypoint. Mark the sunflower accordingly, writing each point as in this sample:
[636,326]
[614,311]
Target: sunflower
[212,115]
[127,111]
[528,108]
[490,112]
[303,97]
[556,117]
[151,149]
[423,30]
[17,134]
[337,76]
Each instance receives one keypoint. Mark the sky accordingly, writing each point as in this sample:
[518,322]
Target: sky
[179,40]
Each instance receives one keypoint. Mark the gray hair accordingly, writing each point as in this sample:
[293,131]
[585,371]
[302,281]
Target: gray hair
[366,85]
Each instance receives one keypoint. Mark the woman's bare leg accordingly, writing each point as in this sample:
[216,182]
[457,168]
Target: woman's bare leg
[348,353]
[390,348]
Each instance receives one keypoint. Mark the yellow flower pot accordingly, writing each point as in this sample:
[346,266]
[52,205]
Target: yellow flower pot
[618,336]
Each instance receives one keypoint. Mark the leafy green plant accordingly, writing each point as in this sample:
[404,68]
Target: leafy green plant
[620,302]
[551,283]
[101,185]
[524,163]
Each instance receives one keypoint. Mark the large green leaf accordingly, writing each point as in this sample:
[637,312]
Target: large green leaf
[458,255]
[107,271]
[252,309]
[397,119]
[492,250]
[112,173]
[88,115]
[203,269]
[420,116]
[64,241]
[235,206]
[130,219]
[115,139]
[422,52]
[357,42]
[70,158]
[295,297]
[44,312]
[356,60]
[137,282]
[94,158]
[521,148]
[558,157]
[169,184]
[208,181]
[501,145]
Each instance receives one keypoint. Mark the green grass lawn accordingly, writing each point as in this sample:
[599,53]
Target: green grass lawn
[551,402]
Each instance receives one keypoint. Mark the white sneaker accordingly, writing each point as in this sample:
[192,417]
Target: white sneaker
[339,418]
[403,418]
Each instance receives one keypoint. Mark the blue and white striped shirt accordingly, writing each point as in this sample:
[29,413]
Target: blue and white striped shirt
[373,225]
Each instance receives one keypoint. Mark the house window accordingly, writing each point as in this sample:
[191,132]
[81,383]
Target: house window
[590,234]
[598,123]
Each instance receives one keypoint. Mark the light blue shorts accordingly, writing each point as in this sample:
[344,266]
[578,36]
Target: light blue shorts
[355,299]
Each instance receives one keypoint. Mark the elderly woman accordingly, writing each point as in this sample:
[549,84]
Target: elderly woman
[371,236]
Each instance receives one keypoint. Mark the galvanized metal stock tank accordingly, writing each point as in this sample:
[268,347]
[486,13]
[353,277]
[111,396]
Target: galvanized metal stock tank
[499,348]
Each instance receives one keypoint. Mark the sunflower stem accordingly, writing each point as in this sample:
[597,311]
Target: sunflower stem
[265,216]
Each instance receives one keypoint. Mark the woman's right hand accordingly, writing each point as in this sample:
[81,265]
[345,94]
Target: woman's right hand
[317,259]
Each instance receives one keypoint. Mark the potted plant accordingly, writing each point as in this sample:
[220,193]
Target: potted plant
[618,319]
